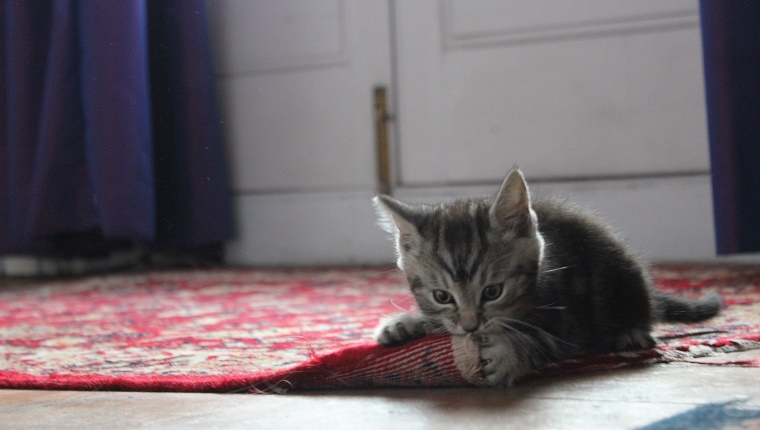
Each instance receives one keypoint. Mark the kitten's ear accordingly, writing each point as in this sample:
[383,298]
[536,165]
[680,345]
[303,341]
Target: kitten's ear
[398,218]
[511,209]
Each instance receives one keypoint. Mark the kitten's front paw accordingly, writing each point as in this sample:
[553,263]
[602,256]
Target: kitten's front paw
[635,338]
[499,365]
[400,328]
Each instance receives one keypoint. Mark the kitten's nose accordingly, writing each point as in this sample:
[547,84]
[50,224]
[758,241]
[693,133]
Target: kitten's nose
[469,322]
[470,328]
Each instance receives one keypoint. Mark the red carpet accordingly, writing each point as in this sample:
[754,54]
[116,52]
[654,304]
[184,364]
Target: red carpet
[279,330]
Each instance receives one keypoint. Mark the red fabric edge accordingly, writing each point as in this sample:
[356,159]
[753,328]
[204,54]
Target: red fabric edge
[331,370]
[320,371]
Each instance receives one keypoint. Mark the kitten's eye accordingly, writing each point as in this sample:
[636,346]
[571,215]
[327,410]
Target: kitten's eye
[442,297]
[492,292]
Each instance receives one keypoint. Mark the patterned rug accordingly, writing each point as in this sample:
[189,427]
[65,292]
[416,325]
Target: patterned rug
[279,330]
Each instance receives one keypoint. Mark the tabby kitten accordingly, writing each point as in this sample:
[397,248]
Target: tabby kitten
[529,283]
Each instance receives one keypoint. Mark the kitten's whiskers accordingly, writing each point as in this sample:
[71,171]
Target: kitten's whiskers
[550,306]
[547,355]
[556,269]
[538,329]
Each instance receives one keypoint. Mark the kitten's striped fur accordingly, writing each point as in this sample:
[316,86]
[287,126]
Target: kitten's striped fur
[529,282]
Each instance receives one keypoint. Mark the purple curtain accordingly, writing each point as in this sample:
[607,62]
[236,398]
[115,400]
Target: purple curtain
[109,129]
[731,45]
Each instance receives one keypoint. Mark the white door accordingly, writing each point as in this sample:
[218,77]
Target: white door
[582,89]
[567,89]
[296,81]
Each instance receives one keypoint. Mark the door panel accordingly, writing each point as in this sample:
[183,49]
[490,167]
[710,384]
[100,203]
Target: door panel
[580,89]
[499,21]
[296,80]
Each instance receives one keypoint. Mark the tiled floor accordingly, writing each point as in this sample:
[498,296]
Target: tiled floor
[625,398]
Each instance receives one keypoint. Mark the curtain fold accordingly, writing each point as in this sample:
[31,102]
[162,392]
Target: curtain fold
[109,128]
[187,126]
[731,45]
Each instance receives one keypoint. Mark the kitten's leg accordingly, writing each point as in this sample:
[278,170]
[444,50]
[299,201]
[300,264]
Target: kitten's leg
[505,357]
[401,328]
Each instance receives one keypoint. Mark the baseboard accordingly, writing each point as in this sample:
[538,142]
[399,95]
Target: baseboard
[663,219]
[327,228]
[30,266]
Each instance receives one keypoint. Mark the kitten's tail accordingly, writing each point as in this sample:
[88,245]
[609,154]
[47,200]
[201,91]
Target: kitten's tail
[671,308]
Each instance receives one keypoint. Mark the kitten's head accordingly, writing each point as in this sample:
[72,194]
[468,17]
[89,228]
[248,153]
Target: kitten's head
[471,264]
